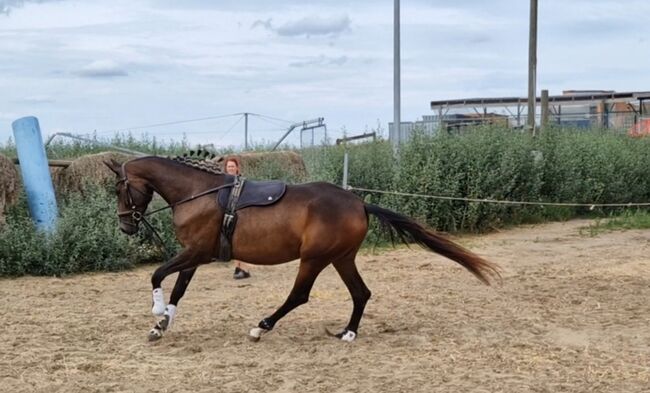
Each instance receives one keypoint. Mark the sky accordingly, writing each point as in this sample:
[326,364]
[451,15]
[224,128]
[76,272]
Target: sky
[101,66]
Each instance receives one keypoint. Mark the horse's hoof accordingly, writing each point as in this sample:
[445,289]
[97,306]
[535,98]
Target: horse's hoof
[348,336]
[155,334]
[256,333]
[345,335]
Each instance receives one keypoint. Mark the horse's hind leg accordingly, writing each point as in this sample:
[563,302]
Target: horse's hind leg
[360,293]
[307,273]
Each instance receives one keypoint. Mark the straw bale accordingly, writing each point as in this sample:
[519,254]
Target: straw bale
[9,185]
[85,170]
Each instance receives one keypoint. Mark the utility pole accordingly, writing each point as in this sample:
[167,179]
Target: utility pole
[544,103]
[246,131]
[532,66]
[397,121]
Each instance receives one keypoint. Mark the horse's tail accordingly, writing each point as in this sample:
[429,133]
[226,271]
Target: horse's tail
[410,231]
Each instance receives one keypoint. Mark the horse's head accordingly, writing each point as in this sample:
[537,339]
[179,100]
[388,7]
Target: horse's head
[133,197]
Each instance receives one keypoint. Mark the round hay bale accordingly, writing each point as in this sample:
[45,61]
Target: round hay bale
[275,165]
[87,170]
[9,185]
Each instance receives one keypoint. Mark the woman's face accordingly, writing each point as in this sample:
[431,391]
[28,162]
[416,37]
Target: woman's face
[232,168]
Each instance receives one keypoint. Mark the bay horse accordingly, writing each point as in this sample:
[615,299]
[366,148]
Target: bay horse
[318,223]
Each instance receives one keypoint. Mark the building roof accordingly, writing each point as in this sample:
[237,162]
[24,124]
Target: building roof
[572,97]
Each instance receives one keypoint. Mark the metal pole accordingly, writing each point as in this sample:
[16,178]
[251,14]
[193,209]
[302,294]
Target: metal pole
[397,121]
[544,109]
[532,66]
[304,125]
[35,173]
[345,169]
[246,131]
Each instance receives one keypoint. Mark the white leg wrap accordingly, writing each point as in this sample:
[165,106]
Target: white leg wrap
[256,333]
[349,336]
[170,311]
[158,302]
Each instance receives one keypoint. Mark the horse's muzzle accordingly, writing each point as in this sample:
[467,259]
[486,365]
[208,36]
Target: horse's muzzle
[129,227]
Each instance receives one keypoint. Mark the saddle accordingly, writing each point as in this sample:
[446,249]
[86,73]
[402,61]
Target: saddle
[244,193]
[253,193]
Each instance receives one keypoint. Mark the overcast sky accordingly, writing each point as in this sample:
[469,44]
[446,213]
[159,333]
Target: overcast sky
[104,65]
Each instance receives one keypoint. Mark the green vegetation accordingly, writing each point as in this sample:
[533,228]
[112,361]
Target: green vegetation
[582,166]
[65,148]
[629,219]
[87,239]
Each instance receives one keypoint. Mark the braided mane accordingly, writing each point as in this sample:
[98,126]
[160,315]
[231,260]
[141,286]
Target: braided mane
[199,161]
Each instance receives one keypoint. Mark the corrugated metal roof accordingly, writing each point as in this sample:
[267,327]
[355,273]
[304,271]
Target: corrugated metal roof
[575,97]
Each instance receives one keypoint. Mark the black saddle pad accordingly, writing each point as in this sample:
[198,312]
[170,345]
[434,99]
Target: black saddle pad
[254,193]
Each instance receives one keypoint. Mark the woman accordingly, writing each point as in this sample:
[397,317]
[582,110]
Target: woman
[232,168]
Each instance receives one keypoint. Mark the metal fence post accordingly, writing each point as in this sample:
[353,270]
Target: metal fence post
[345,169]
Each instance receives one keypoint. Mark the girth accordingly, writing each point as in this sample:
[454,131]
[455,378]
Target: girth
[244,193]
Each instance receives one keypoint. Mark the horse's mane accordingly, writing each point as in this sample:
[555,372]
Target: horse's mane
[199,161]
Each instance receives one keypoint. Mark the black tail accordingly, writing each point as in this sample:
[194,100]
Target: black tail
[410,231]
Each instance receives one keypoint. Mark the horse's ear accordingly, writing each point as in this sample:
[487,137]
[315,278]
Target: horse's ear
[219,160]
[114,166]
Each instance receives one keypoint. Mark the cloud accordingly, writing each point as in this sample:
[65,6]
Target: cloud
[320,61]
[264,23]
[102,69]
[7,5]
[308,26]
[36,100]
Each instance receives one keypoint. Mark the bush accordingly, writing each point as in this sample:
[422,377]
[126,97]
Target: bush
[595,166]
[87,238]
[583,166]
[486,163]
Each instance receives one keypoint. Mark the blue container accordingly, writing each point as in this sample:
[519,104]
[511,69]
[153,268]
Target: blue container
[35,173]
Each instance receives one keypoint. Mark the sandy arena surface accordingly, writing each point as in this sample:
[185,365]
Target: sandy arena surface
[572,315]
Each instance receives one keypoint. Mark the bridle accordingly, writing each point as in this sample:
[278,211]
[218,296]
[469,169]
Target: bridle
[140,216]
[134,212]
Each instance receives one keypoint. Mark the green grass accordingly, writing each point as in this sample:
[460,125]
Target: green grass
[630,219]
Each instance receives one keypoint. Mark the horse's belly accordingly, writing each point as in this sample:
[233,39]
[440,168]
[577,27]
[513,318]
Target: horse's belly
[266,244]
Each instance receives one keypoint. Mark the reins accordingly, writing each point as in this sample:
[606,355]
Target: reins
[141,217]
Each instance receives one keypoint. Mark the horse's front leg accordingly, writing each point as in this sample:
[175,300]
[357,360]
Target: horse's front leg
[185,262]
[169,314]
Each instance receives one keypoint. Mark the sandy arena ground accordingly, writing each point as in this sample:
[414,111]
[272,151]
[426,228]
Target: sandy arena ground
[572,315]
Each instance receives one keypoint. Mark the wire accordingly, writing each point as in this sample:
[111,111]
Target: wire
[272,118]
[282,126]
[589,205]
[171,123]
[231,127]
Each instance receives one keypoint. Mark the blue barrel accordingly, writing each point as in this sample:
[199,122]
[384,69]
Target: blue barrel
[35,173]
